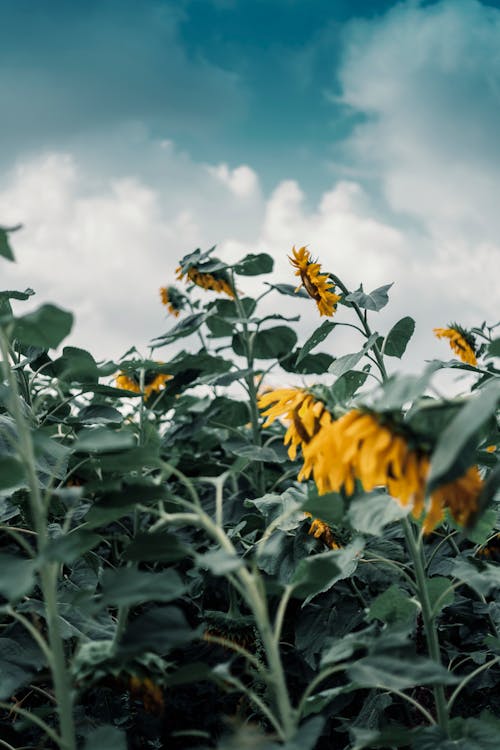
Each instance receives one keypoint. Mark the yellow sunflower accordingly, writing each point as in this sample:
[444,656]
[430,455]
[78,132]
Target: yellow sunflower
[216,281]
[305,415]
[172,299]
[460,496]
[461,342]
[153,382]
[317,284]
[321,530]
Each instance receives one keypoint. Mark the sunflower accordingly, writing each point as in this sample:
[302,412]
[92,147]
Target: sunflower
[216,281]
[460,497]
[321,530]
[305,415]
[153,381]
[172,299]
[461,342]
[317,285]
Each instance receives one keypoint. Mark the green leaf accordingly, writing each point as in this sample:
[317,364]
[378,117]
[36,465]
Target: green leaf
[270,343]
[11,472]
[316,338]
[103,440]
[494,348]
[394,606]
[375,300]
[398,337]
[347,384]
[256,453]
[159,546]
[69,547]
[440,594]
[106,738]
[17,576]
[45,327]
[185,327]
[219,327]
[328,507]
[318,573]
[160,630]
[372,512]
[481,577]
[387,672]
[76,364]
[349,361]
[286,507]
[127,587]
[460,431]
[289,290]
[219,562]
[5,248]
[311,364]
[99,414]
[254,265]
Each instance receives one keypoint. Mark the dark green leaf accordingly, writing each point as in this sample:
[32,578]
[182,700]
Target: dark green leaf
[375,300]
[160,630]
[219,562]
[394,606]
[69,547]
[17,576]
[186,327]
[270,343]
[494,348]
[398,337]
[254,265]
[440,593]
[256,453]
[46,327]
[5,248]
[372,512]
[347,384]
[99,414]
[11,472]
[349,361]
[127,587]
[311,364]
[386,672]
[106,738]
[459,432]
[316,338]
[103,440]
[159,546]
[76,364]
[289,290]
[329,507]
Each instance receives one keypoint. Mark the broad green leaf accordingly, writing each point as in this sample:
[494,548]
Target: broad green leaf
[159,546]
[286,507]
[494,348]
[219,327]
[402,389]
[316,338]
[103,440]
[76,364]
[254,265]
[256,453]
[270,343]
[99,414]
[329,507]
[306,737]
[229,310]
[127,587]
[69,547]
[398,337]
[5,248]
[159,630]
[349,361]
[19,660]
[219,562]
[481,577]
[387,672]
[343,648]
[11,472]
[106,738]
[394,606]
[372,512]
[460,431]
[46,327]
[311,364]
[289,290]
[440,593]
[17,576]
[347,384]
[185,327]
[375,300]
[317,573]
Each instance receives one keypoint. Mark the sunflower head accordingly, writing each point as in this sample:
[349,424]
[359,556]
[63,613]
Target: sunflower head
[206,272]
[173,300]
[461,341]
[130,380]
[317,285]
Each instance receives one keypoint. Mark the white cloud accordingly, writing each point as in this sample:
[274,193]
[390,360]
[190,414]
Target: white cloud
[242,181]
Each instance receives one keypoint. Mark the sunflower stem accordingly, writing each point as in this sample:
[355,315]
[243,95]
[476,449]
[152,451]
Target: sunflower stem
[416,554]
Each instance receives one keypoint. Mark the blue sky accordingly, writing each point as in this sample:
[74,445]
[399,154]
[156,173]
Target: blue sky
[134,130]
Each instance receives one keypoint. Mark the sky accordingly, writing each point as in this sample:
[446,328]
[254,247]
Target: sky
[134,131]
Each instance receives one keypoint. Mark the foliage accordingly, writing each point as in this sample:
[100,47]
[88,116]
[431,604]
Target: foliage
[166,580]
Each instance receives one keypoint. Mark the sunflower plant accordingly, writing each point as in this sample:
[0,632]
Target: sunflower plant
[202,548]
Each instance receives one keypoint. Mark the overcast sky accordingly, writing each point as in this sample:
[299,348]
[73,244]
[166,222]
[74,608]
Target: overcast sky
[134,131]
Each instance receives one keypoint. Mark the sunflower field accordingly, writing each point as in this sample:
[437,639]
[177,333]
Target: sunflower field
[193,557]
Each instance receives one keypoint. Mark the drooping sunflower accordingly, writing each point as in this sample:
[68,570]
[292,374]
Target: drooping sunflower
[216,281]
[304,413]
[172,299]
[460,497]
[153,381]
[317,284]
[461,342]
[321,530]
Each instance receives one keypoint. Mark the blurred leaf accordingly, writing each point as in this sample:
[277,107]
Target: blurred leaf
[103,440]
[494,348]
[69,547]
[254,265]
[349,361]
[5,248]
[328,507]
[289,290]
[127,587]
[398,337]
[394,606]
[347,384]
[481,577]
[159,546]
[229,310]
[218,326]
[372,512]
[310,364]
[256,453]
[106,738]
[375,300]
[440,594]
[316,338]
[11,472]
[17,576]
[459,432]
[185,327]
[219,562]
[76,364]
[45,327]
[159,629]
[99,414]
[387,672]
[273,506]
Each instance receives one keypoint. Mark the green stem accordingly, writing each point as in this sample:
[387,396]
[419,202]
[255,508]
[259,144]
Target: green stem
[48,571]
[416,555]
[468,678]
